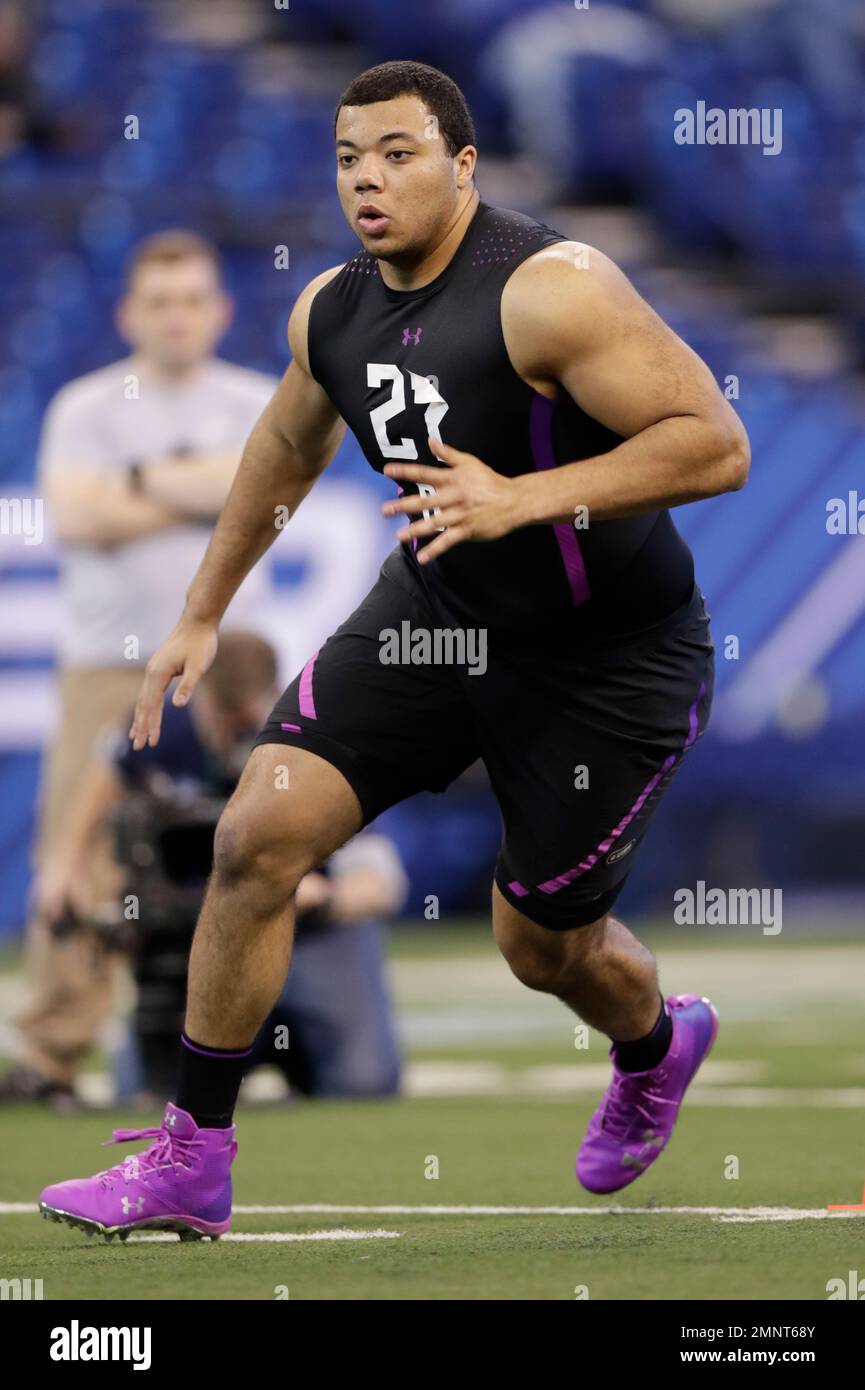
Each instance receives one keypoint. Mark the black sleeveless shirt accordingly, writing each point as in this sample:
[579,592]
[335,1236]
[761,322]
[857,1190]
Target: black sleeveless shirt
[399,365]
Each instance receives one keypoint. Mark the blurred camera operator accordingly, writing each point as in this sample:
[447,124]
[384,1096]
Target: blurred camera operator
[135,462]
[334,1005]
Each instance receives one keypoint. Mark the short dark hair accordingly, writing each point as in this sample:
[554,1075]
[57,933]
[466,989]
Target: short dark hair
[439,92]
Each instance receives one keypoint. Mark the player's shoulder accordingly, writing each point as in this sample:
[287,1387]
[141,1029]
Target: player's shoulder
[567,279]
[559,300]
[538,260]
[554,266]
[298,322]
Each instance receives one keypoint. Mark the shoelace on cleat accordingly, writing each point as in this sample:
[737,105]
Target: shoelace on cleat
[622,1105]
[168,1151]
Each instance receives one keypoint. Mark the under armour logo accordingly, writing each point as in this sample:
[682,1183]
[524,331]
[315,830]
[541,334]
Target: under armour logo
[633,1161]
[127,1205]
[415,337]
[651,1139]
[169,1120]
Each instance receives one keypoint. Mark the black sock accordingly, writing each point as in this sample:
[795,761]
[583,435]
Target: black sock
[209,1082]
[642,1054]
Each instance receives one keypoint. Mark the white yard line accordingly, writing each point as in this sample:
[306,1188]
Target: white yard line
[720,1085]
[728,1214]
[342,1234]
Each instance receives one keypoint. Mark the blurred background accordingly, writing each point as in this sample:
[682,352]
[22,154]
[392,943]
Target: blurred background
[756,259]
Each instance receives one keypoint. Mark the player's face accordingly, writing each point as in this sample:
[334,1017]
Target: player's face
[174,314]
[391,155]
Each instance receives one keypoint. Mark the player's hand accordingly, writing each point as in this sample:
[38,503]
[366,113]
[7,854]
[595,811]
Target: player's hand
[187,653]
[473,502]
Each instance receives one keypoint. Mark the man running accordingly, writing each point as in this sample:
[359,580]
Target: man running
[539,420]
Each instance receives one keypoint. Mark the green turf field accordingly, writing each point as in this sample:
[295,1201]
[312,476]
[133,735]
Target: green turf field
[499,1098]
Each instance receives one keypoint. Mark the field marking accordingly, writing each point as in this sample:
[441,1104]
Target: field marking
[432,1078]
[780,1097]
[717,1213]
[781,1216]
[741,1215]
[725,1085]
[342,1234]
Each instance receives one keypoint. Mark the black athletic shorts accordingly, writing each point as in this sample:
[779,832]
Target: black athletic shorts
[580,738]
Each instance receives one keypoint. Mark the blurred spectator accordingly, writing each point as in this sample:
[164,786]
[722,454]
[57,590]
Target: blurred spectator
[568,79]
[827,58]
[334,1006]
[136,460]
[21,122]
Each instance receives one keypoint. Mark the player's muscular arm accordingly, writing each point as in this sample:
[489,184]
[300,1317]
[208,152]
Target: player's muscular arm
[572,319]
[294,440]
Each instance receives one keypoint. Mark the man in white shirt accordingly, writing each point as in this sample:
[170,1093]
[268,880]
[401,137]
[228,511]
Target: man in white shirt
[135,463]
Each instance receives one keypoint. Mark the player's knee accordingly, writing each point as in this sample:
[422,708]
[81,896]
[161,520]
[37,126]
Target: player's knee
[552,961]
[245,851]
[236,850]
[534,967]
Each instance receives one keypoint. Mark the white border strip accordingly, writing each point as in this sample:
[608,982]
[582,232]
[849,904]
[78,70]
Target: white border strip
[342,1234]
[331,1209]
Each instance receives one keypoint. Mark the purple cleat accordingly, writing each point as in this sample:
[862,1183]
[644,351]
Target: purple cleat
[181,1183]
[633,1123]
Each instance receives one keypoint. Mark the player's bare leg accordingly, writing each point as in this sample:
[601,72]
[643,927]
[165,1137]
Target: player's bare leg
[610,980]
[290,811]
[269,836]
[601,971]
